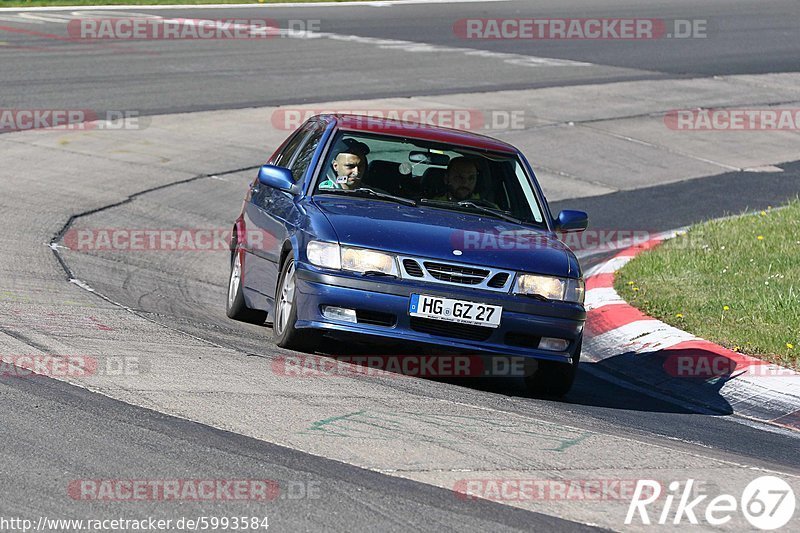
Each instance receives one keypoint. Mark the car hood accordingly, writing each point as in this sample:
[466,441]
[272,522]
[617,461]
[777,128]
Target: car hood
[436,233]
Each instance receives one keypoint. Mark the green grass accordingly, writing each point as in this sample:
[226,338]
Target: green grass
[44,3]
[735,282]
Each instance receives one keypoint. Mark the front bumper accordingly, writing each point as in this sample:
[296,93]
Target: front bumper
[383,304]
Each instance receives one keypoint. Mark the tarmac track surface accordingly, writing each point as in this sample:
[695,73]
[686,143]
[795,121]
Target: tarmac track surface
[152,77]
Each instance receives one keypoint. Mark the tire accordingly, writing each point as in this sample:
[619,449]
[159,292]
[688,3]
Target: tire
[235,307]
[553,378]
[285,316]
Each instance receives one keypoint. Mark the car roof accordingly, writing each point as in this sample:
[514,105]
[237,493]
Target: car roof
[416,130]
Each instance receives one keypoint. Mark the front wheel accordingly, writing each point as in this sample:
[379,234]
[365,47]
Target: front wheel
[553,378]
[236,308]
[286,335]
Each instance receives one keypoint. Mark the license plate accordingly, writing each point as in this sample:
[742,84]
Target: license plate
[455,310]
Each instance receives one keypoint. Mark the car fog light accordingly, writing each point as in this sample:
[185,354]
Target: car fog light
[339,313]
[553,345]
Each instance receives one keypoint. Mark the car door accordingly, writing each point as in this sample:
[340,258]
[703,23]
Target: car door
[272,215]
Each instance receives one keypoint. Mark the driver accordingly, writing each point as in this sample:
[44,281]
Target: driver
[349,166]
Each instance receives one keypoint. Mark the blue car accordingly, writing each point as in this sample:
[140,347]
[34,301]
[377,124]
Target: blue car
[402,231]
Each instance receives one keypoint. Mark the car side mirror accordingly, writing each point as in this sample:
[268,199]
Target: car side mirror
[569,220]
[277,177]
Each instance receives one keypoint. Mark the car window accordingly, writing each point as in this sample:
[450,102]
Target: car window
[285,157]
[417,170]
[306,153]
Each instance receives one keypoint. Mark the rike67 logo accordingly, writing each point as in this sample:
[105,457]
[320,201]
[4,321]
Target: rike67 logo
[767,503]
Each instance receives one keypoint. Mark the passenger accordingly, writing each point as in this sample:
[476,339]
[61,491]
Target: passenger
[349,166]
[461,178]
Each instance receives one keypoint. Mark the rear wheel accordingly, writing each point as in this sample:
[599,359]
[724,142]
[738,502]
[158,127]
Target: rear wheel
[236,307]
[283,326]
[553,378]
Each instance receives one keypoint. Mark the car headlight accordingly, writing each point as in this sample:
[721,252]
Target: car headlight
[324,254]
[331,255]
[565,289]
[360,260]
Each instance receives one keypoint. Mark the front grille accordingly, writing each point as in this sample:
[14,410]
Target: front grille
[456,273]
[413,268]
[453,330]
[375,318]
[431,270]
[498,281]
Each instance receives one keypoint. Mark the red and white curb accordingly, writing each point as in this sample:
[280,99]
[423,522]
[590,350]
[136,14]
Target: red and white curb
[668,360]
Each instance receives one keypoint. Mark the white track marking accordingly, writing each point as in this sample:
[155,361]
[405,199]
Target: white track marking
[387,3]
[641,336]
[612,265]
[521,60]
[412,46]
[601,297]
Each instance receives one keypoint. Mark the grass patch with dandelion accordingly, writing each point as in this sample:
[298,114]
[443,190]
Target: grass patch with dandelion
[733,281]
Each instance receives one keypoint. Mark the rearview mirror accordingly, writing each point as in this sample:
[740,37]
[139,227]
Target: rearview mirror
[277,177]
[569,220]
[429,158]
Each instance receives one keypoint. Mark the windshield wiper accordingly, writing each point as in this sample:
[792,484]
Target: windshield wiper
[366,191]
[472,205]
[490,211]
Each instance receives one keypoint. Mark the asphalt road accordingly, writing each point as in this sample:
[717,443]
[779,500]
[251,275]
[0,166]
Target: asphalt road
[184,293]
[188,299]
[55,433]
[39,68]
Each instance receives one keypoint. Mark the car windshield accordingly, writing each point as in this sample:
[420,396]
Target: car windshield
[430,174]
